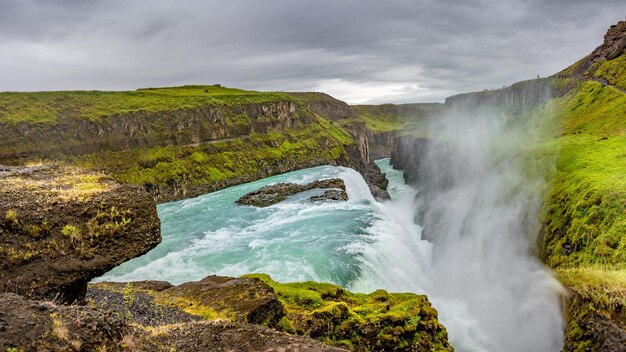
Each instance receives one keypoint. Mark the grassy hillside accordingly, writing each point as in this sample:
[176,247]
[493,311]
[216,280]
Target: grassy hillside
[585,216]
[49,107]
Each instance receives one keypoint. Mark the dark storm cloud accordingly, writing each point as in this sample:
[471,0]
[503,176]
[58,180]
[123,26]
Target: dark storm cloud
[356,50]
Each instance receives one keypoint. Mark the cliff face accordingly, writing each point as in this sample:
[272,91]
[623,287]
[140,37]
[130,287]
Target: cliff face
[614,45]
[517,98]
[140,129]
[186,141]
[386,122]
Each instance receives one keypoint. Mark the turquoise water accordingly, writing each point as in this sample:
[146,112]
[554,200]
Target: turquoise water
[294,240]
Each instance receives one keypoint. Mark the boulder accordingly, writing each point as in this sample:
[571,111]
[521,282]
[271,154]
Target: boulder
[237,299]
[248,300]
[272,194]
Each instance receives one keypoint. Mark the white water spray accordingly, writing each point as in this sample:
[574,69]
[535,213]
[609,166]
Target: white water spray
[480,204]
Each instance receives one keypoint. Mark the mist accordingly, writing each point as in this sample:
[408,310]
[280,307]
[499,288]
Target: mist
[481,182]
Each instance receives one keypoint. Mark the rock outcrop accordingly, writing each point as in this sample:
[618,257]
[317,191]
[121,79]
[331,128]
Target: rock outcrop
[376,321]
[60,227]
[27,325]
[374,178]
[613,46]
[515,99]
[331,195]
[328,313]
[272,194]
[590,328]
[183,142]
[246,300]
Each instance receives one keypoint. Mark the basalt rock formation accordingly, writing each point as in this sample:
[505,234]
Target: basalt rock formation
[614,45]
[272,194]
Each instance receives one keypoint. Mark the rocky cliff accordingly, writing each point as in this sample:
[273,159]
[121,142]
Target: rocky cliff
[184,141]
[613,47]
[61,227]
[386,122]
[515,99]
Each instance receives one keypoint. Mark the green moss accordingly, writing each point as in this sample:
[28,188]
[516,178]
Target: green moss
[376,321]
[11,216]
[586,214]
[603,288]
[613,71]
[71,232]
[210,166]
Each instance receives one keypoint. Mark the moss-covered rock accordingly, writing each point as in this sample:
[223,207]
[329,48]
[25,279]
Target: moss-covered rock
[379,321]
[596,308]
[248,300]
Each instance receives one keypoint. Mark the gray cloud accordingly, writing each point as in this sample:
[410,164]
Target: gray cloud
[360,51]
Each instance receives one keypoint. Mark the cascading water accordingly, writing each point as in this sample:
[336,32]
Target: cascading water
[483,221]
[491,293]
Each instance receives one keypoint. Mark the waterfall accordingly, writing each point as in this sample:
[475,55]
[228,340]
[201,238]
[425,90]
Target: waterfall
[480,187]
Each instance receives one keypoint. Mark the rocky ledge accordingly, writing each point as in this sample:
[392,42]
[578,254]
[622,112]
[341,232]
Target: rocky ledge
[324,312]
[27,325]
[272,194]
[252,313]
[60,227]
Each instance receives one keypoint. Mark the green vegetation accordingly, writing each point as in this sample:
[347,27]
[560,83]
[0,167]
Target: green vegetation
[366,322]
[14,349]
[49,107]
[11,216]
[613,71]
[586,213]
[71,232]
[604,288]
[210,166]
[598,298]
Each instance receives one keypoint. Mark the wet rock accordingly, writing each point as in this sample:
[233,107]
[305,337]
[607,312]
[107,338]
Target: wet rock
[276,193]
[331,195]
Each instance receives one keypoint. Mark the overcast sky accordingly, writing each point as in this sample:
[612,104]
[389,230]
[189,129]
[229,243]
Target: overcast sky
[356,50]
